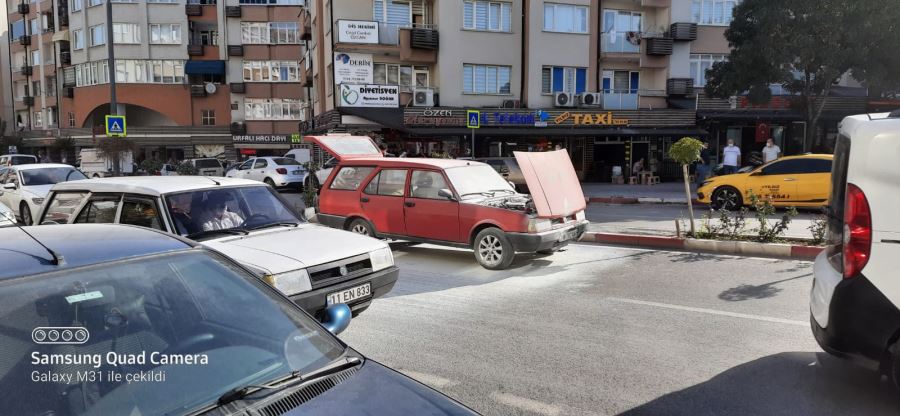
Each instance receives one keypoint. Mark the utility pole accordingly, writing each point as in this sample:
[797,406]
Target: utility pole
[113,106]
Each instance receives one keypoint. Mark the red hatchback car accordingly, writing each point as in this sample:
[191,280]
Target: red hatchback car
[458,203]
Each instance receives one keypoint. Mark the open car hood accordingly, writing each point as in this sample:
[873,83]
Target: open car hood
[347,147]
[552,181]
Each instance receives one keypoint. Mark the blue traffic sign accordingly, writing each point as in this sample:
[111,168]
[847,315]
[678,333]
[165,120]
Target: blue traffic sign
[473,119]
[115,126]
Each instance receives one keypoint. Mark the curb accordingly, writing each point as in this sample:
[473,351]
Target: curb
[740,248]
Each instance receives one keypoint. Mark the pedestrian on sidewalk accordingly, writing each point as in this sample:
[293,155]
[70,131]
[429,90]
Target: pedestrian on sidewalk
[771,151]
[731,158]
[638,167]
[703,166]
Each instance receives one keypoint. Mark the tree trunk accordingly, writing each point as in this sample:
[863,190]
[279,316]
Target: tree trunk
[687,191]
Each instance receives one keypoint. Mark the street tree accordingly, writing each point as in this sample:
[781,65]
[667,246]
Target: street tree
[875,27]
[114,148]
[801,45]
[687,151]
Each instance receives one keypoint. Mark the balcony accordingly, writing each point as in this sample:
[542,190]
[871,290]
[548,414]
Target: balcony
[235,50]
[25,40]
[620,43]
[683,31]
[238,87]
[659,46]
[195,50]
[680,86]
[306,77]
[63,14]
[198,91]
[422,38]
[65,58]
[233,11]
[28,101]
[305,26]
[620,99]
[24,8]
[27,70]
[193,9]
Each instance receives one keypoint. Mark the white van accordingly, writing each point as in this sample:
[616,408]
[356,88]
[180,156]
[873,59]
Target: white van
[93,165]
[855,299]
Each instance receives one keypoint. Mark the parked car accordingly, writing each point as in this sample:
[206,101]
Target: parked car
[17,159]
[208,166]
[322,173]
[248,221]
[94,165]
[798,181]
[187,330]
[167,170]
[300,155]
[277,172]
[509,169]
[7,216]
[452,202]
[855,298]
[23,188]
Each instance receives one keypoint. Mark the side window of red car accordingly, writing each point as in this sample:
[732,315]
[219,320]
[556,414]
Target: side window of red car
[427,184]
[349,178]
[389,182]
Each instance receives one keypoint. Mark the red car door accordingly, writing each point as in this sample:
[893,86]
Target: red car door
[429,214]
[382,201]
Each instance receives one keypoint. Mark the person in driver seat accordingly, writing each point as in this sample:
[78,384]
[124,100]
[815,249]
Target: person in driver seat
[219,217]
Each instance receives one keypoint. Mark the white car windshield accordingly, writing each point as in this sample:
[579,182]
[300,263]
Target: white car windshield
[477,180]
[212,212]
[50,176]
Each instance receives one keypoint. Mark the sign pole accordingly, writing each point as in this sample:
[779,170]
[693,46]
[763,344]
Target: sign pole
[473,143]
[113,105]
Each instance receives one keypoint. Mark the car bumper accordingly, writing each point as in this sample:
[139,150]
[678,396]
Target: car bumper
[333,221]
[315,301]
[851,318]
[531,242]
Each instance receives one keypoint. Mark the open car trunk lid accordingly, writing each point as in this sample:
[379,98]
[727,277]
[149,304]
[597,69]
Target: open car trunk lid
[552,181]
[347,147]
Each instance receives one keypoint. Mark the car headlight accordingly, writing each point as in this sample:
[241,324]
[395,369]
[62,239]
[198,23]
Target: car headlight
[37,201]
[381,259]
[579,216]
[289,283]
[536,225]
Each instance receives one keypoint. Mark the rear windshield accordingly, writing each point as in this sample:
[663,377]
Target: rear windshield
[285,161]
[22,160]
[207,163]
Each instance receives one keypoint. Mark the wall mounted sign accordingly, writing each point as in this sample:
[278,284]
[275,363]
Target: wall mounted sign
[353,68]
[381,96]
[357,31]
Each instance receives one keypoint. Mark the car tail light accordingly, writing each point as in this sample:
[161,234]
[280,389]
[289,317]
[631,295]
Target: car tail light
[282,171]
[857,231]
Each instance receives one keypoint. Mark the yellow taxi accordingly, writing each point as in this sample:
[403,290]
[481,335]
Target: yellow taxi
[795,181]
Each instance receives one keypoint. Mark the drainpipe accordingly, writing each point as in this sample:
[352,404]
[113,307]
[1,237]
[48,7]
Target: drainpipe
[523,46]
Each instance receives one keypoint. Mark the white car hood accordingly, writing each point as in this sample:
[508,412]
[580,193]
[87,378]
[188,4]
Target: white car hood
[280,250]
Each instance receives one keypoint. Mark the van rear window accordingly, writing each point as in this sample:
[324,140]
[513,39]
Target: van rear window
[838,190]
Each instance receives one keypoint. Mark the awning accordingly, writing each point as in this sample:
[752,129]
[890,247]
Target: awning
[555,132]
[204,67]
[62,35]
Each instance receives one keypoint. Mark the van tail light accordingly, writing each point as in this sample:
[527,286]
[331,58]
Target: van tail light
[857,231]
[281,171]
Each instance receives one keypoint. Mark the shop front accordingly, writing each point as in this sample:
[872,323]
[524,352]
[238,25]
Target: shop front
[254,145]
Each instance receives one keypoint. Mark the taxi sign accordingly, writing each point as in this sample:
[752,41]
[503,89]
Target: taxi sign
[115,126]
[473,119]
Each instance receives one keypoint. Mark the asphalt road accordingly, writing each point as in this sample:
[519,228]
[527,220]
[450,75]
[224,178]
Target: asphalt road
[599,331]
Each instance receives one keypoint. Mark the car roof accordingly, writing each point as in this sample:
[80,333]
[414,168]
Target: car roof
[30,166]
[151,185]
[19,154]
[79,245]
[808,156]
[414,162]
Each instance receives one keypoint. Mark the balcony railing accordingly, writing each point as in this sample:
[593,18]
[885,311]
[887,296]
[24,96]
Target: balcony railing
[620,99]
[620,42]
[389,33]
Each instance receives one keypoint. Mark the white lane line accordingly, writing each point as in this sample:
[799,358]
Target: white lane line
[430,379]
[711,311]
[522,403]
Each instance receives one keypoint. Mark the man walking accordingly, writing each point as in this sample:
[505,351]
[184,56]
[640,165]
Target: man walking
[732,158]
[771,151]
[703,166]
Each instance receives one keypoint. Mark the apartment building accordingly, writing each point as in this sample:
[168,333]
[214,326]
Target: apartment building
[6,104]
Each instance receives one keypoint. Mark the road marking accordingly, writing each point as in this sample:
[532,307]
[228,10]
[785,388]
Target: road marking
[711,311]
[430,379]
[522,403]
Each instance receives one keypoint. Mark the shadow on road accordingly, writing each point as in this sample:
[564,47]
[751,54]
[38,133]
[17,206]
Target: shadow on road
[765,290]
[791,383]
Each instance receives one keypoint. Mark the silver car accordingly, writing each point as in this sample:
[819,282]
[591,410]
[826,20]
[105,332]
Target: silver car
[275,171]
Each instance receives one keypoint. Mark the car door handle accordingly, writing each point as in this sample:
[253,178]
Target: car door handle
[409,204]
[364,199]
[789,179]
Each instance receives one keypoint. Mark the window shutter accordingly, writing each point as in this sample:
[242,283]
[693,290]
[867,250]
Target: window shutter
[580,80]
[546,83]
[557,79]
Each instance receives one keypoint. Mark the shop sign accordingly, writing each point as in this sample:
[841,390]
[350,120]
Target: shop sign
[436,118]
[384,96]
[353,68]
[590,119]
[261,139]
[357,31]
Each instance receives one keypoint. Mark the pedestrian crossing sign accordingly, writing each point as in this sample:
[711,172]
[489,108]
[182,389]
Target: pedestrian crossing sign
[473,119]
[115,126]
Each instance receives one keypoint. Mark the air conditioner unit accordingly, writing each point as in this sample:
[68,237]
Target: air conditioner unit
[423,97]
[511,104]
[563,99]
[589,99]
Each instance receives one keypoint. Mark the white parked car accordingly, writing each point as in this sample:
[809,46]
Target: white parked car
[855,299]
[208,166]
[7,217]
[24,187]
[277,172]
[12,160]
[321,174]
[313,265]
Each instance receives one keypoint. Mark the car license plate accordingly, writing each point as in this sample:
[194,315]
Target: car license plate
[349,295]
[295,172]
[568,235]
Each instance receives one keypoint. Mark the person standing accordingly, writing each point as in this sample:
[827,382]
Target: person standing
[703,165]
[771,151]
[731,158]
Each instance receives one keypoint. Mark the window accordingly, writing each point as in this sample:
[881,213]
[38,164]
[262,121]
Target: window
[486,79]
[77,5]
[713,12]
[141,212]
[209,37]
[397,13]
[700,64]
[99,210]
[490,16]
[163,1]
[388,182]
[18,29]
[563,79]
[126,33]
[406,76]
[35,57]
[272,71]
[272,109]
[165,33]
[131,71]
[37,120]
[98,35]
[62,206]
[78,39]
[426,185]
[567,18]
[260,163]
[270,32]
[36,88]
[208,117]
[35,26]
[798,166]
[92,3]
[71,119]
[350,177]
[619,31]
[50,86]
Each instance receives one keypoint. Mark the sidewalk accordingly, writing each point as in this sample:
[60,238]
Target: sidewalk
[667,192]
